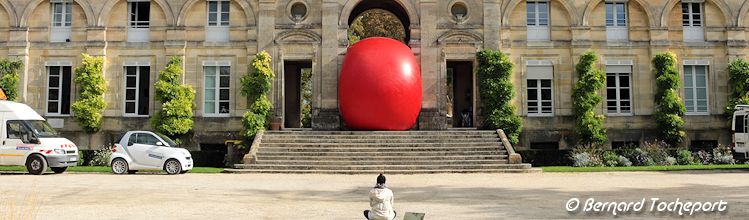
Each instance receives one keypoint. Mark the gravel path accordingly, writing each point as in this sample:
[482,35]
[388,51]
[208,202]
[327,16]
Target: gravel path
[281,196]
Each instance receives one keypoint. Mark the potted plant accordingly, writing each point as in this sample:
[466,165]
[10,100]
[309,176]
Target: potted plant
[275,124]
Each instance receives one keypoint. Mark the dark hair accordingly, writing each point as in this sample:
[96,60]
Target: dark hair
[381,179]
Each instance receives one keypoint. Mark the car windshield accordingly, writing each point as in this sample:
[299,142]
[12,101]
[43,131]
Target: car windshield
[41,129]
[168,140]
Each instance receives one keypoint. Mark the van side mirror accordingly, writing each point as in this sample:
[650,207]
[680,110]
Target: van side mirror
[158,143]
[129,143]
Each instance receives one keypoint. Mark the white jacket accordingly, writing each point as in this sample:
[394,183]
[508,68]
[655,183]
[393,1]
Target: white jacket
[381,201]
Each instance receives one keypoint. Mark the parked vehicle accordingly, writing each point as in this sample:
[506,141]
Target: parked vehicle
[740,128]
[145,150]
[27,140]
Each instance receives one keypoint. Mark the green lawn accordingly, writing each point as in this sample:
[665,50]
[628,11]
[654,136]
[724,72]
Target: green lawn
[646,168]
[102,169]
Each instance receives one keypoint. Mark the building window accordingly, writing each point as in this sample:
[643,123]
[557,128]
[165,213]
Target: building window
[61,21]
[539,92]
[538,20]
[58,90]
[616,21]
[137,90]
[218,21]
[692,21]
[217,81]
[139,21]
[618,91]
[695,89]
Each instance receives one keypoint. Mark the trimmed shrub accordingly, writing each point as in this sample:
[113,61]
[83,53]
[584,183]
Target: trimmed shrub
[175,117]
[585,98]
[256,86]
[496,93]
[610,159]
[684,157]
[88,109]
[668,106]
[9,77]
[738,73]
[623,161]
[723,155]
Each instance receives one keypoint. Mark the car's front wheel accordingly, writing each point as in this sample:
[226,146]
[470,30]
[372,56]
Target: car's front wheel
[59,169]
[36,164]
[119,166]
[172,166]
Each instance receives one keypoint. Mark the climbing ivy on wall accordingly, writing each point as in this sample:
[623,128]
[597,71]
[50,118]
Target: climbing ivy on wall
[496,93]
[9,77]
[588,126]
[88,109]
[668,106]
[738,74]
[175,117]
[256,86]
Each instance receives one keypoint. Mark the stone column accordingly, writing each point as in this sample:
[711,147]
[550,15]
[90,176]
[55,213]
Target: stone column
[426,48]
[266,28]
[325,114]
[18,47]
[492,24]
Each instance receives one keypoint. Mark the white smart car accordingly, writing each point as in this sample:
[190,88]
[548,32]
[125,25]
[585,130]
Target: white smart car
[145,150]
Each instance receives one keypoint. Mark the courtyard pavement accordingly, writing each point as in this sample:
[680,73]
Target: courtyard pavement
[285,196]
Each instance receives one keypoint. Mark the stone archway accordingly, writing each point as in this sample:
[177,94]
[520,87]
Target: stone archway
[400,11]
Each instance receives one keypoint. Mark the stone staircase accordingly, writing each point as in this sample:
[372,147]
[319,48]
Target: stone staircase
[392,152]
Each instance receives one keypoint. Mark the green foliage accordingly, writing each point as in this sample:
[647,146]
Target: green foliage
[496,93]
[376,23]
[256,86]
[668,106]
[610,159]
[9,77]
[738,74]
[685,157]
[588,126]
[175,117]
[90,105]
[307,98]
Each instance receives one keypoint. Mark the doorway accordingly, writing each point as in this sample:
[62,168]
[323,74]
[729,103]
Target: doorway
[460,97]
[297,94]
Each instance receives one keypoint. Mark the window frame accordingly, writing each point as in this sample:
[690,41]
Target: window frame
[694,87]
[138,67]
[66,14]
[539,77]
[616,14]
[219,11]
[618,88]
[137,24]
[60,86]
[217,88]
[690,14]
[536,12]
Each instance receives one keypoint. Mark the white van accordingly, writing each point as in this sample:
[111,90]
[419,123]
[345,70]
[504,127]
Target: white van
[740,128]
[27,140]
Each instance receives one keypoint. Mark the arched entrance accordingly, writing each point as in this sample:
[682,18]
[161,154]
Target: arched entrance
[391,8]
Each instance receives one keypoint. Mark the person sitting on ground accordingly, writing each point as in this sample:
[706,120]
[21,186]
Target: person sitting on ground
[381,201]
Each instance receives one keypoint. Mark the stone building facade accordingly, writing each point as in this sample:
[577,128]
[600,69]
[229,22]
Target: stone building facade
[544,38]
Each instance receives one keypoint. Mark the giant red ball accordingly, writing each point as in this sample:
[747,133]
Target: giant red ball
[380,86]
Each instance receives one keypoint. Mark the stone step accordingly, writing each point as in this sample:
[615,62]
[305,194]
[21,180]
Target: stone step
[419,133]
[384,141]
[431,137]
[386,167]
[353,172]
[370,162]
[383,145]
[387,158]
[373,149]
[262,154]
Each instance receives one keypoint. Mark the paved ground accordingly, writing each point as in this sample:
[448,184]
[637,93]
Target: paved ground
[441,196]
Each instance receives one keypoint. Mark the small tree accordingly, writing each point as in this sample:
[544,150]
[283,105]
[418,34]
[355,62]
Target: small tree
[175,117]
[585,98]
[738,74]
[668,106]
[256,86]
[90,105]
[9,77]
[496,93]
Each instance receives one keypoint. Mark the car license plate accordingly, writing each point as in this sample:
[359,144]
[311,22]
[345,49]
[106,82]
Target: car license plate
[74,159]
